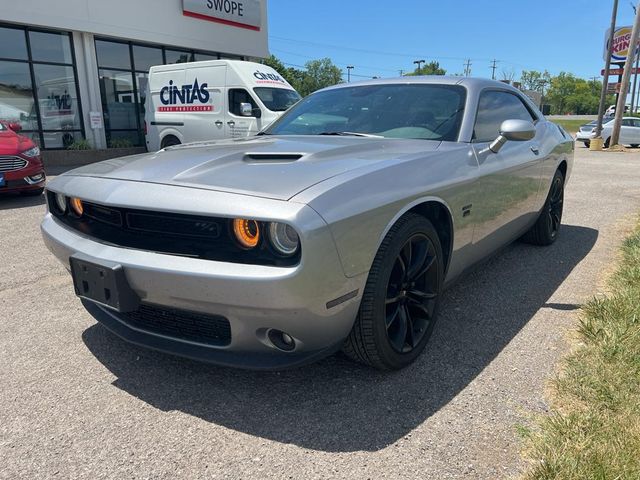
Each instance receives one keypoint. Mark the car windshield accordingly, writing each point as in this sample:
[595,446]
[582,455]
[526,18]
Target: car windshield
[277,99]
[418,111]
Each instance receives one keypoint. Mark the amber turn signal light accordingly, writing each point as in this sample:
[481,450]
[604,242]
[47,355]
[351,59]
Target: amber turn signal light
[247,232]
[76,206]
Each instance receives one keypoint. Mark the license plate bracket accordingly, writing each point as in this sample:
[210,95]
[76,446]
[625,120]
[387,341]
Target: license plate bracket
[104,283]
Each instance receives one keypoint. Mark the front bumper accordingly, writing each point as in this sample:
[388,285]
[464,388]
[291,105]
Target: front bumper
[253,298]
[584,137]
[22,180]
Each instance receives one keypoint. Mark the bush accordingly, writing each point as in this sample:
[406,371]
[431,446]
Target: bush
[120,143]
[81,144]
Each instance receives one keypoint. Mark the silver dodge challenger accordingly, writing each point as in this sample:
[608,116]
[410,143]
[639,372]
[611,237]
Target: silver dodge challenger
[336,227]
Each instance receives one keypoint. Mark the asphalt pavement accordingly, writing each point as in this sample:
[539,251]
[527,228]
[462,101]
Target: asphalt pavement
[78,402]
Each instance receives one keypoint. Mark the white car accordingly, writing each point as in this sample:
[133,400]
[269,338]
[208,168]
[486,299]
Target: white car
[629,132]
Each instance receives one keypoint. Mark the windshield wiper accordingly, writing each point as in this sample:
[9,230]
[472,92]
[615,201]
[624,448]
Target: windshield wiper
[351,134]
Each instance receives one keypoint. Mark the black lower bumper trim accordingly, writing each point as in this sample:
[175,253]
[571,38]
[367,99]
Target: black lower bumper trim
[209,354]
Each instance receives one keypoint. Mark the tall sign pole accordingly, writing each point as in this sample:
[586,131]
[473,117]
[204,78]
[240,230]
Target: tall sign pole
[605,80]
[626,77]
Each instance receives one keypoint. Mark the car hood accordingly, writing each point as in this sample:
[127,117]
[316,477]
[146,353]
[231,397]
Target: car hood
[264,166]
[11,143]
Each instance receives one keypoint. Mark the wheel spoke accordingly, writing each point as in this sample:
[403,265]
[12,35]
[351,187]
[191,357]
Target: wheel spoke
[396,299]
[420,296]
[430,262]
[409,340]
[405,257]
[420,253]
[391,319]
[398,333]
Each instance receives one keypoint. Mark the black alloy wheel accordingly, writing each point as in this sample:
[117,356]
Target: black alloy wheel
[556,201]
[399,305]
[412,294]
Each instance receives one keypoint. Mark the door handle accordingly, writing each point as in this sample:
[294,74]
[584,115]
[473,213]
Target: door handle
[231,123]
[535,149]
[219,123]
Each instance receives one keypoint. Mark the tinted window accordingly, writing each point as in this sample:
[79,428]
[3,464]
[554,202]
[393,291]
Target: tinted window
[13,43]
[277,99]
[418,111]
[493,109]
[146,57]
[238,96]
[50,47]
[112,54]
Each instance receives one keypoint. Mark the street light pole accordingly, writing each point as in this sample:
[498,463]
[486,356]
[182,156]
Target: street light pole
[626,76]
[607,67]
[349,68]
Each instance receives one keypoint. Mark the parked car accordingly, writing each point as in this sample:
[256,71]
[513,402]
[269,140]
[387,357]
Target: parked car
[336,227]
[611,111]
[212,100]
[21,168]
[586,131]
[629,133]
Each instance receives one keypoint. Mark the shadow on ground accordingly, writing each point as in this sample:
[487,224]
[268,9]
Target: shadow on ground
[337,406]
[12,201]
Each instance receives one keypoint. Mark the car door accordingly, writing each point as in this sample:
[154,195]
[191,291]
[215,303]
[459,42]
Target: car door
[237,125]
[509,181]
[629,132]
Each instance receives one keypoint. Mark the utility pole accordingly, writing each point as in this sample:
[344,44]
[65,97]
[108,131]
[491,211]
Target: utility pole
[626,76]
[349,68]
[467,68]
[493,69]
[418,62]
[605,80]
[401,73]
[635,83]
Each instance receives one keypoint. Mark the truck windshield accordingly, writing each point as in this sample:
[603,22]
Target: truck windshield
[277,99]
[418,111]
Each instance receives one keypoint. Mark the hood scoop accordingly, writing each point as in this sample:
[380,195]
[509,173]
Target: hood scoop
[274,157]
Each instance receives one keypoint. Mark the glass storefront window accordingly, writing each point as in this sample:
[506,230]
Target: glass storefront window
[57,97]
[50,47]
[177,56]
[118,100]
[146,57]
[13,43]
[113,54]
[16,95]
[201,57]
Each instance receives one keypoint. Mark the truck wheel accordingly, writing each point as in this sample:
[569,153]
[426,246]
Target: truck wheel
[169,141]
[400,301]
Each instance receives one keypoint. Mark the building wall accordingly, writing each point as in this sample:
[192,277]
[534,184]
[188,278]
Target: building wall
[153,21]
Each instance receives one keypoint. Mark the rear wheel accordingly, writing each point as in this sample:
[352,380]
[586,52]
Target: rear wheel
[546,229]
[400,301]
[169,141]
[607,142]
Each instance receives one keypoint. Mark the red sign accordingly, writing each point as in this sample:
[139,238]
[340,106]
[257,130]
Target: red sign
[619,71]
[187,108]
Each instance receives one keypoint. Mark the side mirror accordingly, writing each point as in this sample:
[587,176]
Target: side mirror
[257,112]
[515,131]
[246,110]
[15,126]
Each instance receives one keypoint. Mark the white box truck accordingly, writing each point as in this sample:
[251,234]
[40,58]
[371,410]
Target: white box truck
[189,102]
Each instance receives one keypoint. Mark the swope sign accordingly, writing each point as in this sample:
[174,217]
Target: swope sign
[237,13]
[621,44]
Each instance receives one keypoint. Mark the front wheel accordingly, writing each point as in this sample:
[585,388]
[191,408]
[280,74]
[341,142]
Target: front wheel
[546,229]
[400,300]
[587,144]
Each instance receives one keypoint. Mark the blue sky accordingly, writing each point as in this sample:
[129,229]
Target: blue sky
[380,37]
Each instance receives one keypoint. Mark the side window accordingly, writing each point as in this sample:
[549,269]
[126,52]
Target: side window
[238,96]
[636,122]
[628,122]
[494,108]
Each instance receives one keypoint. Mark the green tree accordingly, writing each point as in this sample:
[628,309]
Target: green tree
[319,74]
[570,94]
[431,68]
[535,80]
[290,74]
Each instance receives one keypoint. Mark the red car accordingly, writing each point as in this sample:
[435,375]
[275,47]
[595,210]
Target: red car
[21,169]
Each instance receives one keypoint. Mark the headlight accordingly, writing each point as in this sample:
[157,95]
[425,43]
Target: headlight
[247,232]
[32,152]
[61,202]
[284,238]
[76,206]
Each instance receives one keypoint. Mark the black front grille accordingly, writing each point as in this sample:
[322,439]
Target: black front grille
[182,324]
[196,236]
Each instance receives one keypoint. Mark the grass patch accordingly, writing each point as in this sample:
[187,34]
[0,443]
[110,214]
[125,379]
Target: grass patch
[571,126]
[593,431]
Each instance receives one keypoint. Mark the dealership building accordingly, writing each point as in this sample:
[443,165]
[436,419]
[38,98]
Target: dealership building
[77,69]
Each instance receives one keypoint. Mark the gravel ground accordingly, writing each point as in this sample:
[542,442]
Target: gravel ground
[77,402]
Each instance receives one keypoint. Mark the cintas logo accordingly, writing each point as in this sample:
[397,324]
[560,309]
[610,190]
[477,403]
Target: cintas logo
[183,99]
[268,77]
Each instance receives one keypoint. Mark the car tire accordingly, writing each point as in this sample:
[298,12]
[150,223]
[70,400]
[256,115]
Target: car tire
[169,141]
[547,227]
[607,142]
[33,193]
[587,144]
[399,305]
[635,145]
